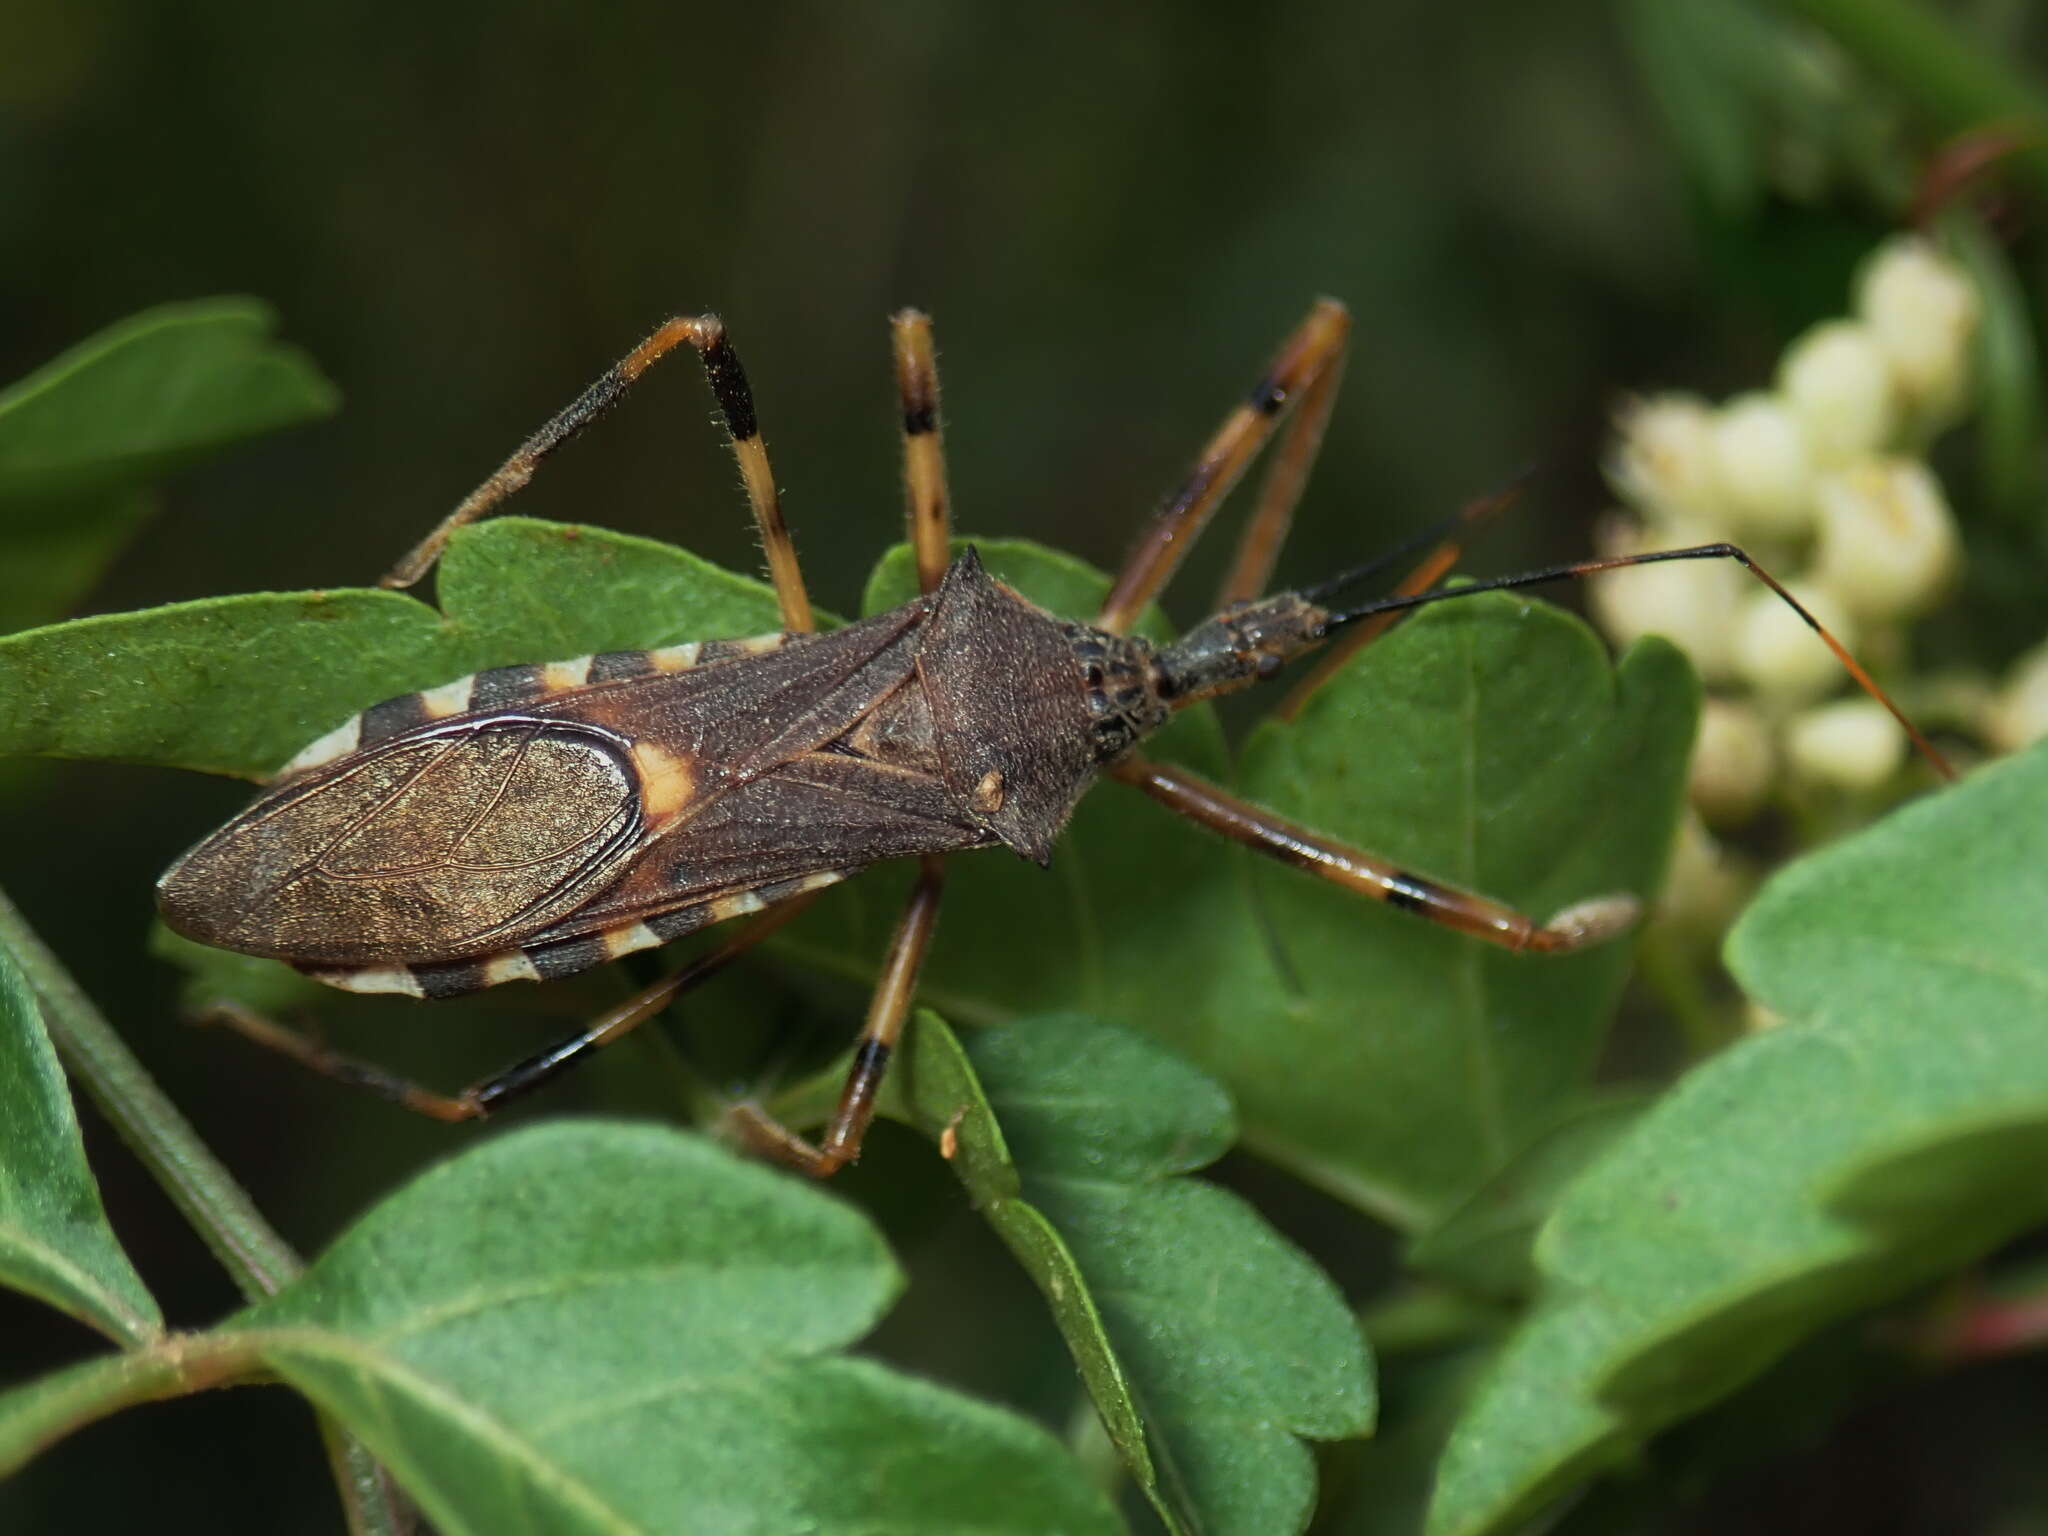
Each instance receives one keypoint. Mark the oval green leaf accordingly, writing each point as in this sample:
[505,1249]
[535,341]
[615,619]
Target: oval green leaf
[81,438]
[1210,1344]
[55,1243]
[150,394]
[1489,744]
[607,1328]
[237,685]
[1892,1129]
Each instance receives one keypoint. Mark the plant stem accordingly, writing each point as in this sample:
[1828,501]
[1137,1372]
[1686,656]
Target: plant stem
[258,1260]
[1956,82]
[36,1416]
[370,1500]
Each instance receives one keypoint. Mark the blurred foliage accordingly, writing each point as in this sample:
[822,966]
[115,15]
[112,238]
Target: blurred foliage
[465,212]
[83,439]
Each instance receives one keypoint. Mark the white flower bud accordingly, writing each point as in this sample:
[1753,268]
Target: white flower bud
[1662,462]
[1923,309]
[1959,697]
[1852,744]
[1706,885]
[2018,716]
[1733,763]
[1778,655]
[1838,384]
[1888,545]
[1763,468]
[1691,603]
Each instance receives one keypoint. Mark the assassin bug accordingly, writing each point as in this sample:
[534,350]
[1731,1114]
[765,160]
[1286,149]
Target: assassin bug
[530,822]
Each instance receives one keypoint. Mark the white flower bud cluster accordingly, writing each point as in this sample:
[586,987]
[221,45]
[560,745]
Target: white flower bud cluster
[1706,886]
[1923,311]
[2018,712]
[1823,479]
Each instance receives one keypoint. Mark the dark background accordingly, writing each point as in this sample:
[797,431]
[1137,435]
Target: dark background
[465,212]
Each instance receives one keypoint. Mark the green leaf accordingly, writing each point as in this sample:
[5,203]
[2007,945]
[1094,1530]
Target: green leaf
[51,552]
[936,1090]
[620,1329]
[82,438]
[239,684]
[1782,1418]
[55,1243]
[150,394]
[1894,1129]
[1483,1246]
[1208,1342]
[1488,744]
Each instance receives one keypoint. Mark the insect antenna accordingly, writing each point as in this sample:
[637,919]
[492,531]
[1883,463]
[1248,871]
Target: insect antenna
[1442,537]
[1579,570]
[1444,540]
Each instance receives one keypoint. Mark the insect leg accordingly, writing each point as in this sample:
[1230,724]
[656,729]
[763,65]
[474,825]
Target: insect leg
[705,333]
[479,1099]
[1314,351]
[1258,547]
[887,1009]
[736,400]
[1589,922]
[323,1059]
[924,453]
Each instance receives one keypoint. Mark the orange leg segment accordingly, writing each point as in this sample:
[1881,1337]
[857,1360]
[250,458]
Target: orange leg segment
[1589,922]
[1308,356]
[705,333]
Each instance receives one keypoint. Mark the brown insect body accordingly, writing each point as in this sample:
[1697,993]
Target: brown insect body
[530,822]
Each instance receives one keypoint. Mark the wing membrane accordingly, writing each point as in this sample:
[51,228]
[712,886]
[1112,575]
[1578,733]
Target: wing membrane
[438,842]
[639,795]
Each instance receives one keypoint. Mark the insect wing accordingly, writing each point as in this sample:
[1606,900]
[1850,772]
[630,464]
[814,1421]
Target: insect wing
[546,806]
[439,842]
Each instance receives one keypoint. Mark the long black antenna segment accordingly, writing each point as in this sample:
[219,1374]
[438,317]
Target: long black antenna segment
[1579,570]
